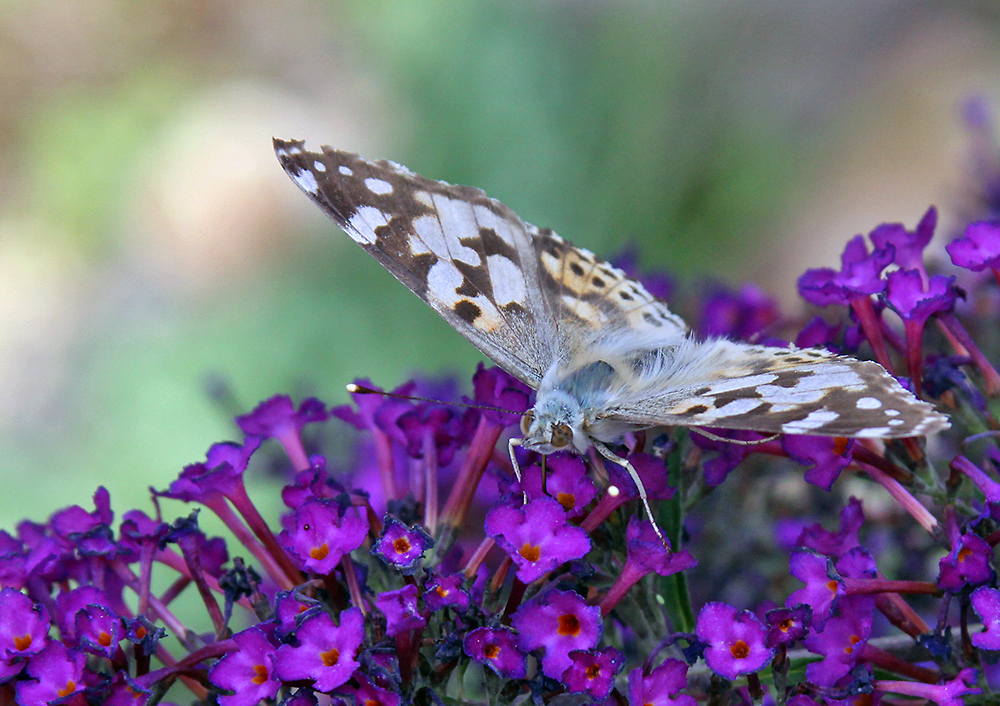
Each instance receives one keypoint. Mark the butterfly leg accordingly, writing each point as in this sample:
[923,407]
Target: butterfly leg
[513,461]
[610,455]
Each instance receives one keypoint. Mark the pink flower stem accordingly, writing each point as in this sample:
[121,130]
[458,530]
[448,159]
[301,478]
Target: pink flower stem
[915,352]
[903,497]
[892,663]
[868,319]
[990,375]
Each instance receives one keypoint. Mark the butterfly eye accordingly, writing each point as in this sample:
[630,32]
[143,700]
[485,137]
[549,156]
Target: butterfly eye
[561,436]
[527,419]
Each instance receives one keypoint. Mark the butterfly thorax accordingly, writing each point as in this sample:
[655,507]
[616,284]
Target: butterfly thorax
[571,408]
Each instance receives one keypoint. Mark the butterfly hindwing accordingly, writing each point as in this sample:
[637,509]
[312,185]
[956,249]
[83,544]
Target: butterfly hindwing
[787,391]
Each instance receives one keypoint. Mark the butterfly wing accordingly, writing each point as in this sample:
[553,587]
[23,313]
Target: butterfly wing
[468,256]
[520,294]
[728,385]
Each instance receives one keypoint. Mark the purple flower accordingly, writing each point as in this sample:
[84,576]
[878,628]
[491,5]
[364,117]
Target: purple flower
[948,694]
[326,653]
[400,610]
[57,674]
[221,476]
[290,608]
[916,298]
[728,456]
[566,481]
[494,387]
[986,603]
[979,248]
[661,687]
[447,591]
[69,603]
[908,246]
[370,694]
[741,315]
[818,333]
[321,533]
[915,302]
[593,672]
[858,278]
[646,554]
[99,630]
[123,690]
[400,547]
[278,418]
[835,544]
[435,432]
[497,649]
[967,564]
[788,625]
[735,639]
[24,626]
[536,536]
[248,671]
[559,622]
[841,640]
[825,456]
[859,275]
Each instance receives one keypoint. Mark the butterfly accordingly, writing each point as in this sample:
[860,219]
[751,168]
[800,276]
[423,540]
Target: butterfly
[604,356]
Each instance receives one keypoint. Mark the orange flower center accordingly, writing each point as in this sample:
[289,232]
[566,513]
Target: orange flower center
[68,689]
[593,671]
[854,640]
[330,657]
[261,671]
[22,643]
[320,552]
[740,649]
[569,624]
[530,552]
[104,639]
[491,651]
[402,545]
[567,500]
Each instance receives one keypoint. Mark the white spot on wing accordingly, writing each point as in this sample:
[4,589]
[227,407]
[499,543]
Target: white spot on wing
[868,403]
[319,166]
[873,432]
[734,408]
[378,186]
[364,222]
[306,181]
[814,420]
[507,279]
[345,170]
[457,222]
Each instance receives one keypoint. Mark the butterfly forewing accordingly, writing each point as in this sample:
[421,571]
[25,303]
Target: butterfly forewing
[466,255]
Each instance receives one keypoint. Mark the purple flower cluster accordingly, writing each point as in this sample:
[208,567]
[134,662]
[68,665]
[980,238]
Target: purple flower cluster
[423,573]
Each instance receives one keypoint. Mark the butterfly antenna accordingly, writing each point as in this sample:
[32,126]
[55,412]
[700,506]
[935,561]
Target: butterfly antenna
[739,442]
[356,389]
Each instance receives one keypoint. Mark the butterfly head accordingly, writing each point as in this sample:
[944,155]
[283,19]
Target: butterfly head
[555,423]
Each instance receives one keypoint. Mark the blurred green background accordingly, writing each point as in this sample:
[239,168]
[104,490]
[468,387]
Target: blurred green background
[151,249]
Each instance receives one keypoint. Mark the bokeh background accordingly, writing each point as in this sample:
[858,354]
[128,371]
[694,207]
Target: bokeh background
[159,273]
